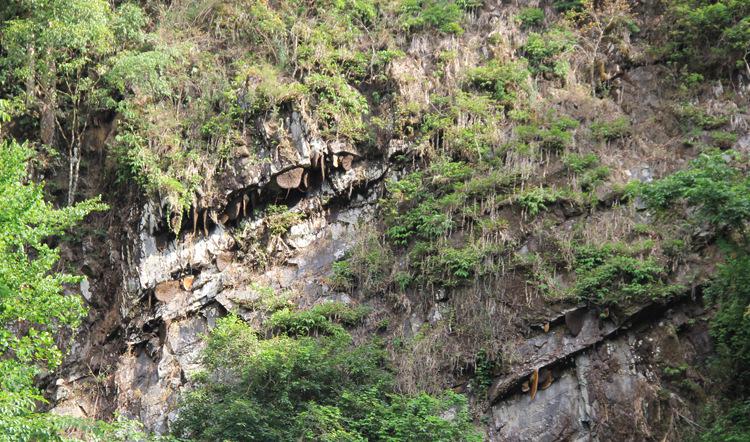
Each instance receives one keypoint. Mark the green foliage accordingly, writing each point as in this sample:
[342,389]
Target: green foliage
[505,81]
[304,388]
[342,276]
[554,134]
[369,266]
[694,117]
[144,73]
[340,106]
[424,221]
[442,15]
[578,163]
[730,327]
[537,199]
[730,425]
[266,299]
[610,130]
[714,185]
[530,17]
[33,309]
[690,81]
[614,274]
[450,267]
[422,210]
[675,372]
[279,219]
[546,52]
[323,319]
[694,22]
[484,372]
[722,139]
[64,34]
[269,90]
[568,5]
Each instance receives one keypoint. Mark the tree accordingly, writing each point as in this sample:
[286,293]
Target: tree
[309,382]
[600,22]
[33,309]
[54,51]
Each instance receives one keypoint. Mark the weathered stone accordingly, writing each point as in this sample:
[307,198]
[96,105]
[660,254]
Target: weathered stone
[552,416]
[574,321]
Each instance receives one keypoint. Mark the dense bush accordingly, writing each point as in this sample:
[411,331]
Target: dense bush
[36,308]
[614,274]
[729,420]
[724,22]
[568,5]
[553,134]
[731,424]
[730,327]
[610,130]
[546,51]
[714,186]
[503,80]
[530,17]
[309,389]
[443,15]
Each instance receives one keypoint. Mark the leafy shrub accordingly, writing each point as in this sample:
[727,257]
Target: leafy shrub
[536,200]
[730,327]
[578,163]
[372,263]
[304,388]
[503,80]
[484,372]
[694,117]
[554,135]
[713,184]
[35,309]
[342,276]
[530,17]
[443,15]
[425,221]
[730,330]
[695,22]
[268,91]
[279,219]
[302,323]
[722,139]
[613,274]
[546,51]
[267,300]
[587,168]
[568,5]
[610,130]
[450,267]
[729,425]
[339,106]
[486,183]
[321,319]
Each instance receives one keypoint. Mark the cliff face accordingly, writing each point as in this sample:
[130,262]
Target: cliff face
[559,368]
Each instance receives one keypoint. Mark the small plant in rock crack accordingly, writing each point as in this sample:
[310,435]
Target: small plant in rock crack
[616,274]
[537,200]
[279,219]
[610,130]
[484,372]
[530,17]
